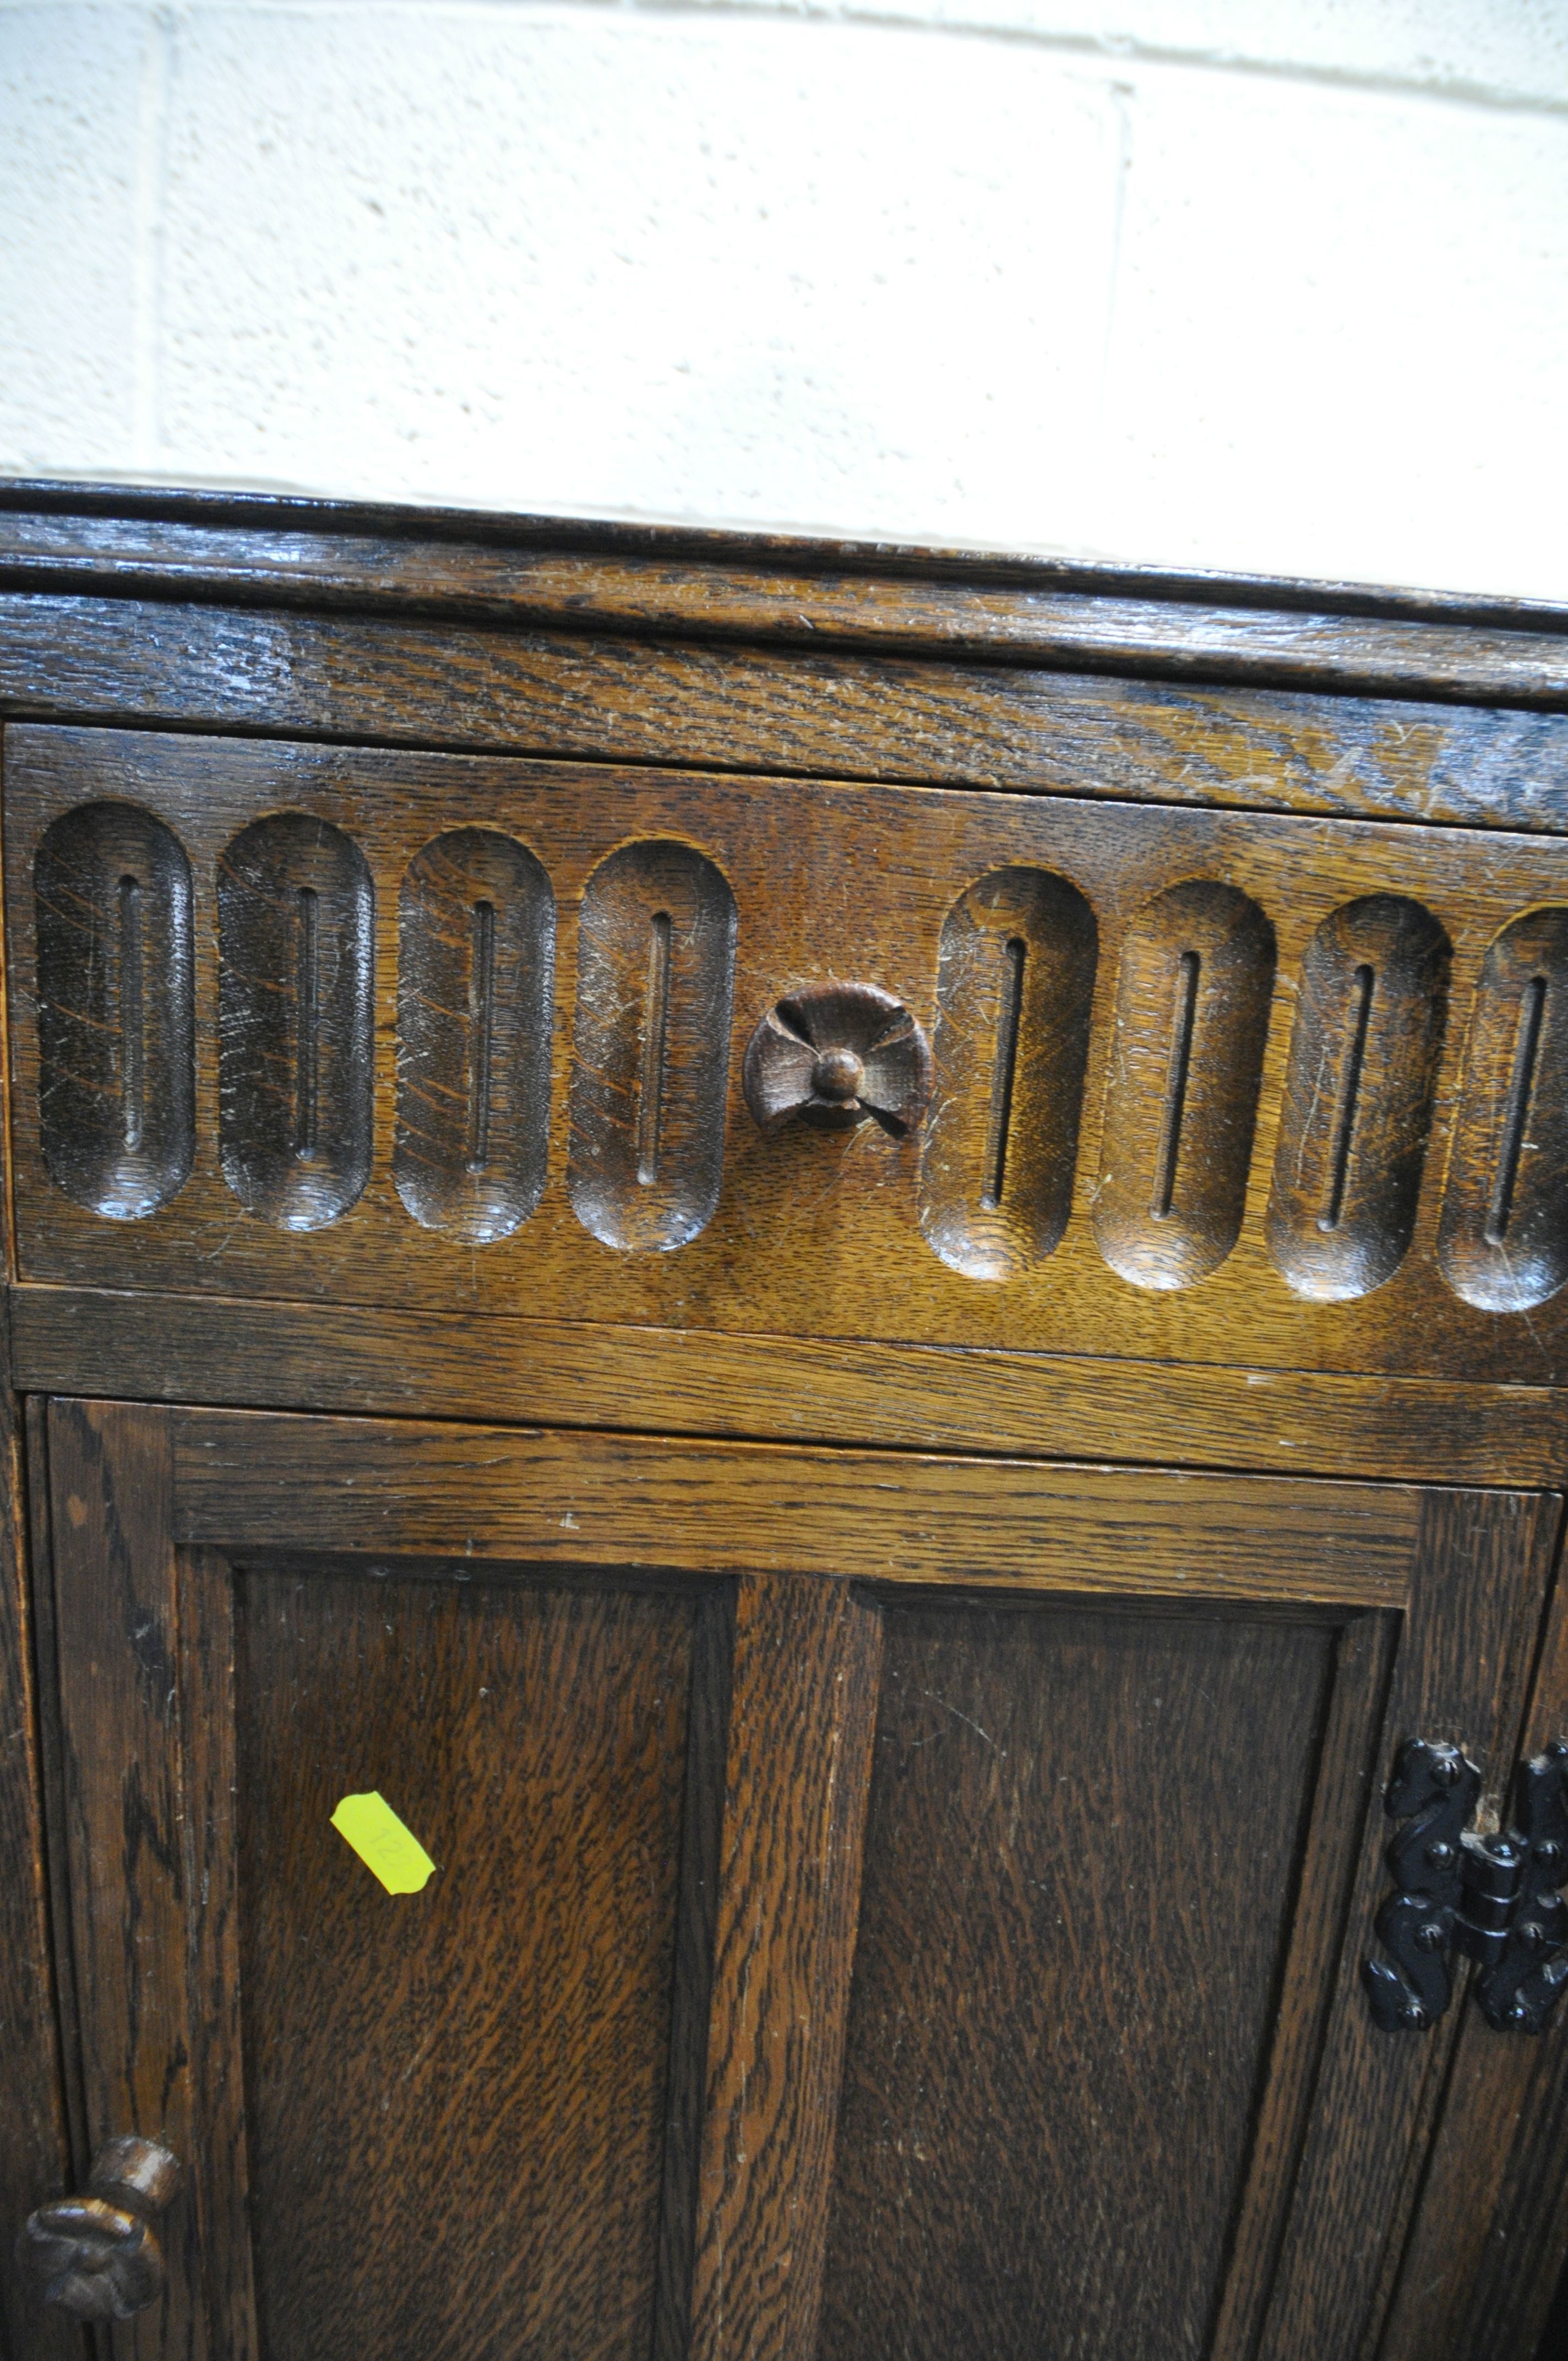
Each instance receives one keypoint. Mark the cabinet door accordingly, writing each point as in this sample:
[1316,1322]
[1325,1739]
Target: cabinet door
[880,1906]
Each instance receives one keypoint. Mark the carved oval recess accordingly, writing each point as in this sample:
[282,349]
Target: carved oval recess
[651,1064]
[475,975]
[1014,990]
[1358,1098]
[1503,1240]
[1192,1002]
[116,1009]
[296,968]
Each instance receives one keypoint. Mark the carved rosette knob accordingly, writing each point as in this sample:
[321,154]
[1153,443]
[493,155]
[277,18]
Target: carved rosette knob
[97,2256]
[833,1054]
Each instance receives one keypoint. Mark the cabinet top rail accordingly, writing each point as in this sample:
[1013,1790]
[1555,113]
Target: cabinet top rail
[658,581]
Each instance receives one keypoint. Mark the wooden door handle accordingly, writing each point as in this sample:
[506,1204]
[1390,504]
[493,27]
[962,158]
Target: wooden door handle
[96,2256]
[833,1054]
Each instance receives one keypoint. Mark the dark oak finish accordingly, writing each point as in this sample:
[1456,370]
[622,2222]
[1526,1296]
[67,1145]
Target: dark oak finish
[1211,926]
[848,1264]
[97,2257]
[776,587]
[34,2163]
[352,1604]
[728,705]
[322,1357]
[801,1718]
[508,2026]
[1058,2001]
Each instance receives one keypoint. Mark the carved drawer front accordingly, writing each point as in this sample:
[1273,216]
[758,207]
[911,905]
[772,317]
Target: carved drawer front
[525,1038]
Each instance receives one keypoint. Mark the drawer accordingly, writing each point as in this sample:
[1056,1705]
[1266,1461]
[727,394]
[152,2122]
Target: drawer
[522,1038]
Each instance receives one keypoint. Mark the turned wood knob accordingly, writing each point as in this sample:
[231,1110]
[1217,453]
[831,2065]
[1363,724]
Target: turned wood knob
[833,1054]
[95,2255]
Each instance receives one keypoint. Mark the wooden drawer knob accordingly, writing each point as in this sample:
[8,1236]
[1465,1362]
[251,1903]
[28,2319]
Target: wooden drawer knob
[95,2255]
[833,1054]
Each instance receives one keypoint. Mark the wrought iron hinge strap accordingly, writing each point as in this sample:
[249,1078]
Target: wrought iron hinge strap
[1493,1899]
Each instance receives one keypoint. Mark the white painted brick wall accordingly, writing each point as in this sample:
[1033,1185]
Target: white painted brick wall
[1274,285]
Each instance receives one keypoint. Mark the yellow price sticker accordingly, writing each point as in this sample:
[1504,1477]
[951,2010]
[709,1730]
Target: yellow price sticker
[389,1849]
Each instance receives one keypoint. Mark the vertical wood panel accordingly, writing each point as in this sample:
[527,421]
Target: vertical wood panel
[117,1607]
[713,1649]
[1492,2228]
[34,2156]
[219,2171]
[1081,1870]
[1347,1768]
[797,1776]
[1461,1673]
[457,2096]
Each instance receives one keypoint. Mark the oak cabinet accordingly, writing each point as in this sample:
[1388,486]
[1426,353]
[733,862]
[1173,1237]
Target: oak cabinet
[902,1433]
[869,1894]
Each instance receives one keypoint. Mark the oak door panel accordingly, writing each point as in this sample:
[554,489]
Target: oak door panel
[883,1903]
[507,2025]
[1081,1861]
[439,2121]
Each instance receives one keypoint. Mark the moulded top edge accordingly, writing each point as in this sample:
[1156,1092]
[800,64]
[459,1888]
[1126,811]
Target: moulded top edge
[655,579]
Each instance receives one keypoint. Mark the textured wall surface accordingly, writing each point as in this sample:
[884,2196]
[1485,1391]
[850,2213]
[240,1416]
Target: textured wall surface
[1278,288]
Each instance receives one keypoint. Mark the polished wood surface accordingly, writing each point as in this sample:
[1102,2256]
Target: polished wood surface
[595,1499]
[508,2026]
[323,1357]
[729,706]
[1057,2001]
[801,1720]
[224,1585]
[893,1631]
[778,587]
[96,2257]
[1198,1192]
[34,2163]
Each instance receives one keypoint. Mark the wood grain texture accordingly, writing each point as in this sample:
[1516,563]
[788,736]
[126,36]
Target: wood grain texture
[218,2164]
[116,1051]
[1065,1980]
[603,1501]
[430,1365]
[797,1775]
[117,1606]
[720,705]
[1492,2231]
[1461,1672]
[1364,1647]
[35,2162]
[284,552]
[828,882]
[484,2179]
[475,979]
[1183,1067]
[696,1925]
[1356,1117]
[1015,1000]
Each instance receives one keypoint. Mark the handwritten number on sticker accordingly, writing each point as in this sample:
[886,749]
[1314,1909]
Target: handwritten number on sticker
[389,1849]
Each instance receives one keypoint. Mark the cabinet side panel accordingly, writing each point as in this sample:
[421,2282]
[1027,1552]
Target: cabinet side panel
[34,2162]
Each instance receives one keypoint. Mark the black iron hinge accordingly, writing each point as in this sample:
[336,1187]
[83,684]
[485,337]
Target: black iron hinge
[1494,1899]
